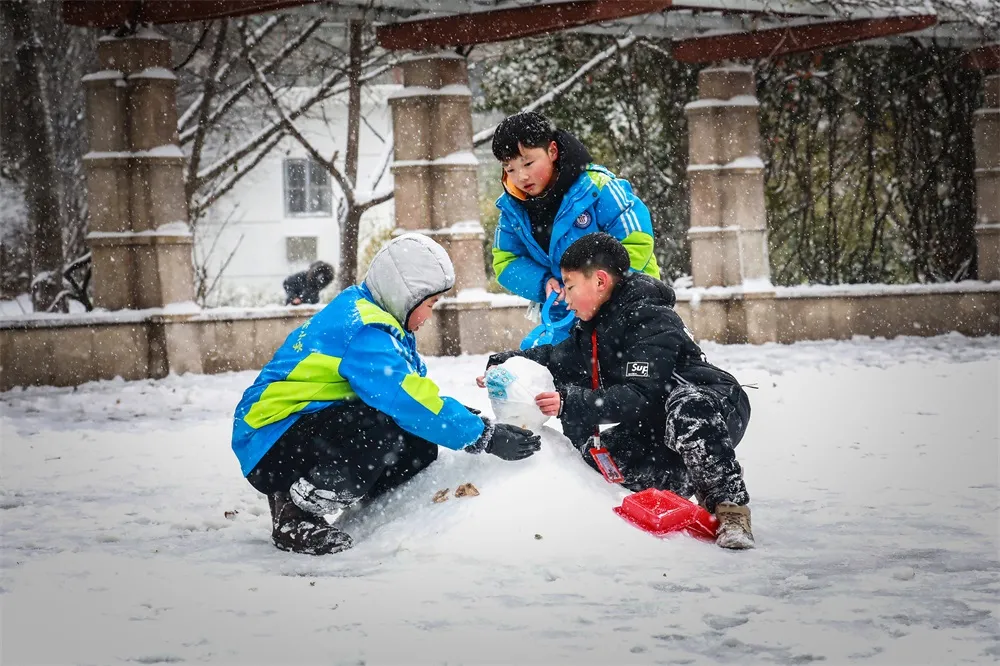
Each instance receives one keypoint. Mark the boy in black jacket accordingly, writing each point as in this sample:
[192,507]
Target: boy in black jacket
[679,416]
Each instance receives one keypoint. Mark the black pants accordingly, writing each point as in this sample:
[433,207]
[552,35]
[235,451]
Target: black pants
[687,449]
[351,449]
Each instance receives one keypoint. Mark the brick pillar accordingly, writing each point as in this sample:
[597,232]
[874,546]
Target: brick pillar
[728,231]
[139,234]
[987,139]
[436,190]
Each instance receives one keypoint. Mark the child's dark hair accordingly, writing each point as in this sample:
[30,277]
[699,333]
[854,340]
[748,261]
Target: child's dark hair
[593,252]
[530,129]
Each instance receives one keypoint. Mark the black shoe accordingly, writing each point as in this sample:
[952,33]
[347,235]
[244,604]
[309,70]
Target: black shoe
[296,531]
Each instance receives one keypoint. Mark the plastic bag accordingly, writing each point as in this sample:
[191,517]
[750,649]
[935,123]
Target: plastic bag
[512,388]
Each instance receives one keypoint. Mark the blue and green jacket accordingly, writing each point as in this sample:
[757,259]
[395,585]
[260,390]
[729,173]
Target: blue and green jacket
[350,350]
[597,201]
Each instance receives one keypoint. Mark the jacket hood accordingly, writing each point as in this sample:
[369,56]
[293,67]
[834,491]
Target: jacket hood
[408,270]
[639,286]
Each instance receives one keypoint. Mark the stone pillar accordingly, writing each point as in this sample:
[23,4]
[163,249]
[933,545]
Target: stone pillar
[434,171]
[728,219]
[139,234]
[987,138]
[436,191]
[728,230]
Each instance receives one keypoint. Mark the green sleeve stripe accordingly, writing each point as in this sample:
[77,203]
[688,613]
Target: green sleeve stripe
[599,178]
[373,314]
[640,252]
[501,260]
[315,378]
[316,368]
[424,391]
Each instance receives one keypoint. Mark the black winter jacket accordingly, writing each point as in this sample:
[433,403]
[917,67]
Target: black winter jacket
[299,286]
[644,351]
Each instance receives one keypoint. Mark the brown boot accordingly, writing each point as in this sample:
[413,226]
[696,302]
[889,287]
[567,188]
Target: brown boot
[734,526]
[296,531]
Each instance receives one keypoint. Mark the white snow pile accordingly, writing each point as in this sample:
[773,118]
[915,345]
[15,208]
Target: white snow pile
[872,467]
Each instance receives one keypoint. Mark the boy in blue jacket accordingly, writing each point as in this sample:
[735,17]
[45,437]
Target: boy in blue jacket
[553,195]
[344,410]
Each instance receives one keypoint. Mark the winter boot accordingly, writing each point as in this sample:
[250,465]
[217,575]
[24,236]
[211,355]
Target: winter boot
[734,526]
[317,501]
[296,531]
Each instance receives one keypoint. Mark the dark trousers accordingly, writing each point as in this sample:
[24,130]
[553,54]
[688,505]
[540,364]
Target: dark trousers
[351,449]
[687,449]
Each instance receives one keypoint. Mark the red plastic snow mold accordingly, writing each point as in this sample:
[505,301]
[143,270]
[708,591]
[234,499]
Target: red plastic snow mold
[661,512]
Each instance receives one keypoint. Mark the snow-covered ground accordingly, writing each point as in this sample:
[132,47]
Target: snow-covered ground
[873,468]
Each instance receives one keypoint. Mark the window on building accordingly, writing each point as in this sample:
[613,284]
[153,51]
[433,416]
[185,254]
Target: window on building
[301,250]
[307,188]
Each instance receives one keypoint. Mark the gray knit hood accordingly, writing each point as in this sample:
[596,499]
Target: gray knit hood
[408,270]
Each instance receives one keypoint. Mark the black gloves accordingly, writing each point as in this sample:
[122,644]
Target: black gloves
[506,442]
[512,443]
[499,358]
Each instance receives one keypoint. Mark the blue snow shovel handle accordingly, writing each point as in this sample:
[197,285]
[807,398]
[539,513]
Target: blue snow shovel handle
[545,332]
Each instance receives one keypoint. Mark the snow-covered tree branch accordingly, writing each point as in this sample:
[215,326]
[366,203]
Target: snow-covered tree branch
[621,44]
[327,87]
[254,39]
[205,201]
[355,200]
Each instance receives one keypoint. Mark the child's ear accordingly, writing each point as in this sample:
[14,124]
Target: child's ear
[553,151]
[603,279]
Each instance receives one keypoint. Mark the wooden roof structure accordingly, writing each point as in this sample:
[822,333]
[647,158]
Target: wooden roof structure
[700,30]
[115,13]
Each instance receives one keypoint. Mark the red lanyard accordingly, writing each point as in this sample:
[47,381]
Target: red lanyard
[595,381]
[605,463]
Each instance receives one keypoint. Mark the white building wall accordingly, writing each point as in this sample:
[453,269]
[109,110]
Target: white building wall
[251,223]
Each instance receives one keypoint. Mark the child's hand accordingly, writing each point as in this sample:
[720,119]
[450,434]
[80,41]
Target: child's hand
[553,285]
[549,403]
[481,382]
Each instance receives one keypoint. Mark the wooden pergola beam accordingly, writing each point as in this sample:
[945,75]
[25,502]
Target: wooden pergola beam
[985,57]
[512,23]
[115,13]
[787,40]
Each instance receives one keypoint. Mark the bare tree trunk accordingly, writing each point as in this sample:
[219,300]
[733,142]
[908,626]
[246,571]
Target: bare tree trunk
[352,220]
[353,103]
[38,154]
[349,247]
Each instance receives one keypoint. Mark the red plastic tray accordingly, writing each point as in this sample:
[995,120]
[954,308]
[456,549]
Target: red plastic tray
[661,512]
